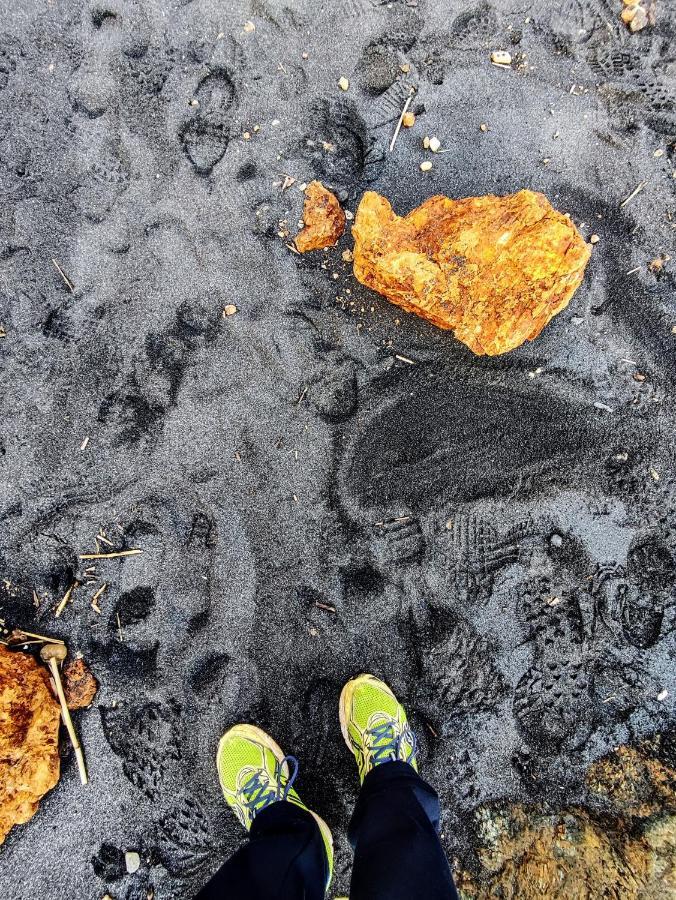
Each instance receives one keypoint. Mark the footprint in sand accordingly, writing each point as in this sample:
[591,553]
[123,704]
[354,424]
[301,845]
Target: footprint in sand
[205,133]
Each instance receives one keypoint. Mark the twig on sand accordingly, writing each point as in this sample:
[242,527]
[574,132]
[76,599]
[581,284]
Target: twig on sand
[39,637]
[637,190]
[68,282]
[67,598]
[119,625]
[110,555]
[325,606]
[404,359]
[302,397]
[95,598]
[401,119]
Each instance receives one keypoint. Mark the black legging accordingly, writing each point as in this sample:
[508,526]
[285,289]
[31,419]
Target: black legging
[394,833]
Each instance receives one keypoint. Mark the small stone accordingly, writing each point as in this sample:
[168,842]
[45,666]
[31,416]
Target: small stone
[194,102]
[435,144]
[662,695]
[654,474]
[249,27]
[305,55]
[343,83]
[405,68]
[556,540]
[576,320]
[639,377]
[426,142]
[323,218]
[659,152]
[347,255]
[408,120]
[501,58]
[132,861]
[639,20]
[247,135]
[483,127]
[229,310]
[425,166]
[594,239]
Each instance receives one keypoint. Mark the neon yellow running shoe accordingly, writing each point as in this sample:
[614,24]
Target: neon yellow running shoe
[374,725]
[254,772]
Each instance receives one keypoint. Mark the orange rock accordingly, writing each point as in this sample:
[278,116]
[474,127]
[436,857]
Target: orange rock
[79,685]
[29,738]
[323,217]
[494,270]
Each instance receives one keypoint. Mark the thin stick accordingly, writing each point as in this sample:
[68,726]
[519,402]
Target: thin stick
[68,722]
[119,625]
[110,555]
[401,119]
[404,359]
[95,605]
[69,283]
[66,597]
[637,190]
[41,637]
[325,606]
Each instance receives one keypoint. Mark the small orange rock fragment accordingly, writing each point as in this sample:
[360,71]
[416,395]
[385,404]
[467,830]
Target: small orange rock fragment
[323,217]
[29,738]
[79,685]
[494,270]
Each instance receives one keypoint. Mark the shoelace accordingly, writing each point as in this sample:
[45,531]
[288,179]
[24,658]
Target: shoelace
[386,744]
[258,792]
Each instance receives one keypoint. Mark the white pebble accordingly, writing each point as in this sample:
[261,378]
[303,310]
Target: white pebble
[435,144]
[662,695]
[501,58]
[343,83]
[425,166]
[132,861]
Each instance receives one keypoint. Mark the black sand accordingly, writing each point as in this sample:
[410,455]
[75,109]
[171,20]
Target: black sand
[519,595]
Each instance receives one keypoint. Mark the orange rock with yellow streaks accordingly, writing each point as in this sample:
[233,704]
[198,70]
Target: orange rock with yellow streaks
[29,738]
[494,270]
[323,217]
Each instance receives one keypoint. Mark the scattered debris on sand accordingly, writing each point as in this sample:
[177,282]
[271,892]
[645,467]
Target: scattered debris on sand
[626,851]
[494,270]
[637,14]
[79,685]
[323,217]
[29,738]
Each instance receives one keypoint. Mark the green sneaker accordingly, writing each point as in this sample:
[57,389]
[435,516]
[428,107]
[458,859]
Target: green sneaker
[374,725]
[254,772]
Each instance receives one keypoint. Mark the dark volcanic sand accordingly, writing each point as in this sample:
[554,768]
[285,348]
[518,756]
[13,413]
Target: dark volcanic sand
[252,457]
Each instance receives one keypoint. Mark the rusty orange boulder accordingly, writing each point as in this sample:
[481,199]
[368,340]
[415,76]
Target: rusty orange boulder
[29,738]
[494,270]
